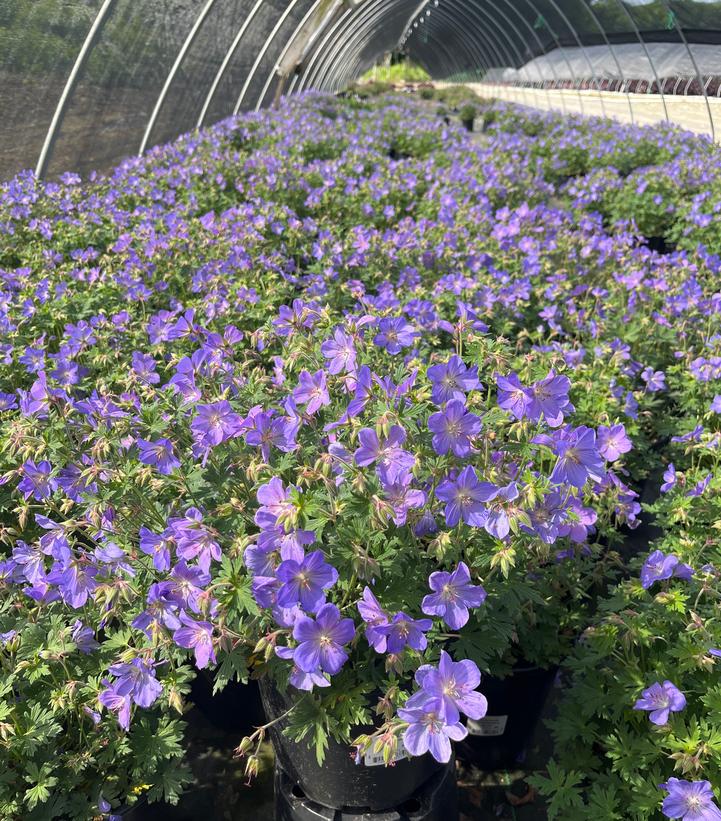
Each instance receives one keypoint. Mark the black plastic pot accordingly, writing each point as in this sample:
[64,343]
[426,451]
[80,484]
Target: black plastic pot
[236,708]
[341,784]
[436,800]
[515,704]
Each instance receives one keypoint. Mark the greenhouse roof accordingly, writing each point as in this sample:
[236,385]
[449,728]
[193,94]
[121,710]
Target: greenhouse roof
[87,82]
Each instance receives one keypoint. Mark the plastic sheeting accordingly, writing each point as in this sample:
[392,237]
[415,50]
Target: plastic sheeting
[657,59]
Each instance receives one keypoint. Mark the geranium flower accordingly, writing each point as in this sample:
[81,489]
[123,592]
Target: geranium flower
[402,630]
[578,459]
[465,498]
[431,729]
[689,801]
[394,334]
[452,380]
[669,478]
[453,429]
[305,583]
[388,453]
[613,442]
[312,391]
[198,636]
[659,566]
[37,482]
[660,700]
[453,684]
[453,595]
[341,352]
[321,641]
[375,617]
[159,454]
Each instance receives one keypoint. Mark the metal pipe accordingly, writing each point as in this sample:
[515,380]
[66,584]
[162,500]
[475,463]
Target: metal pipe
[226,62]
[286,49]
[192,34]
[300,79]
[261,53]
[69,87]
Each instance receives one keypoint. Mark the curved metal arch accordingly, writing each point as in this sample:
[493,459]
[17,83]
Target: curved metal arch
[69,87]
[695,66]
[642,42]
[534,34]
[341,57]
[536,11]
[479,14]
[574,33]
[190,38]
[229,54]
[300,79]
[440,44]
[348,71]
[370,11]
[261,53]
[478,21]
[589,9]
[288,45]
[469,47]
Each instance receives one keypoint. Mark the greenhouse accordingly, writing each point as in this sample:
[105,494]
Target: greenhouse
[360,410]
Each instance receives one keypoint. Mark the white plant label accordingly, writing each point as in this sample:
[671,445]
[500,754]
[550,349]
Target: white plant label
[488,726]
[371,759]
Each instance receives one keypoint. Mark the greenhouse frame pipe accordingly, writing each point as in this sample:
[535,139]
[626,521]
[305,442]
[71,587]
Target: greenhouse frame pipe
[643,45]
[69,88]
[563,54]
[475,12]
[300,78]
[419,8]
[513,8]
[346,72]
[469,47]
[318,56]
[363,17]
[366,35]
[613,54]
[229,54]
[189,40]
[695,66]
[288,44]
[472,55]
[475,18]
[451,62]
[573,31]
[261,53]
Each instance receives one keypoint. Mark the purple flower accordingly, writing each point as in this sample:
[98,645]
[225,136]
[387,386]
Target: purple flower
[340,351]
[198,636]
[321,641]
[700,486]
[497,523]
[264,431]
[689,801]
[394,334]
[669,478]
[612,442]
[716,404]
[193,540]
[548,398]
[465,498]
[37,481]
[157,546]
[452,380]
[214,424]
[431,729]
[75,579]
[144,368]
[159,454]
[453,595]
[512,395]
[305,582]
[84,638]
[402,630]
[137,678]
[661,699]
[312,391]
[659,566]
[400,495]
[188,584]
[453,428]
[655,380]
[453,684]
[375,618]
[388,452]
[116,698]
[578,459]
[275,503]
[298,678]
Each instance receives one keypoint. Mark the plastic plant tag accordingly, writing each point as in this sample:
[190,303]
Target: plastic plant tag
[488,726]
[372,759]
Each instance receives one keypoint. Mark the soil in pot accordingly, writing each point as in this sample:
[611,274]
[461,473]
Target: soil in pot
[515,704]
[341,782]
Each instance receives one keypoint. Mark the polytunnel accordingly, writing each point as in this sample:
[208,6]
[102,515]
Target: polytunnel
[87,82]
